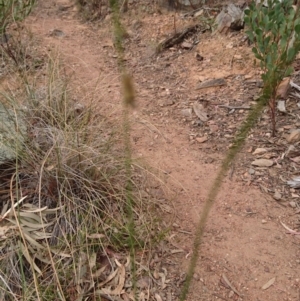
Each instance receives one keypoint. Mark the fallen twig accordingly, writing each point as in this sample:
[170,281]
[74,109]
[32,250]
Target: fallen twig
[290,231]
[204,8]
[219,296]
[295,94]
[232,58]
[227,282]
[294,85]
[234,108]
[178,37]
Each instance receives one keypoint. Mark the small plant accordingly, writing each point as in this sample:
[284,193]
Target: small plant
[64,197]
[275,32]
[12,11]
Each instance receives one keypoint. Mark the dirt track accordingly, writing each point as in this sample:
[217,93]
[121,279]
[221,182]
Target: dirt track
[244,240]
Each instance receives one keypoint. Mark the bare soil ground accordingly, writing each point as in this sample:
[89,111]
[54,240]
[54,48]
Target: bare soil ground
[244,241]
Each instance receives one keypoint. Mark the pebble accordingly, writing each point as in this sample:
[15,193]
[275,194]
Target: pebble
[263,221]
[293,204]
[187,112]
[166,102]
[251,171]
[202,139]
[186,45]
[262,162]
[259,151]
[277,196]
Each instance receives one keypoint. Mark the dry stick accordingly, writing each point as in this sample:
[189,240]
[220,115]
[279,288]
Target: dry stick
[174,19]
[234,108]
[215,188]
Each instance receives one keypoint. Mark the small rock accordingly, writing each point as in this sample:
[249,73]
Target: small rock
[166,102]
[259,151]
[202,78]
[199,57]
[262,163]
[277,196]
[79,109]
[57,33]
[263,221]
[231,17]
[281,106]
[267,269]
[293,204]
[187,112]
[237,56]
[209,160]
[294,136]
[186,45]
[294,195]
[202,139]
[251,171]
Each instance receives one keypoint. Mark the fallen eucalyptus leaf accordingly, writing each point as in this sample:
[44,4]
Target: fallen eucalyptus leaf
[158,297]
[200,111]
[294,136]
[268,284]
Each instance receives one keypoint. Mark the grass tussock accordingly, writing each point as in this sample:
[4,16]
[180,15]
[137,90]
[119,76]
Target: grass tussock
[93,9]
[64,224]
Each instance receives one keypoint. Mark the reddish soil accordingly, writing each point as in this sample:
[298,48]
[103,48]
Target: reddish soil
[244,240]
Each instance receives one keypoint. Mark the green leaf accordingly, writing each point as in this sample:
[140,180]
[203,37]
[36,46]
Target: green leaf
[266,20]
[283,43]
[267,41]
[250,35]
[254,50]
[291,54]
[289,71]
[297,29]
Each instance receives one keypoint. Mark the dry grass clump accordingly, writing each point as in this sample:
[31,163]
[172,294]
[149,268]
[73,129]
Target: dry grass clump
[64,218]
[93,9]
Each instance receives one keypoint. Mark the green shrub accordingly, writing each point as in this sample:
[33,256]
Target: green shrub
[275,31]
